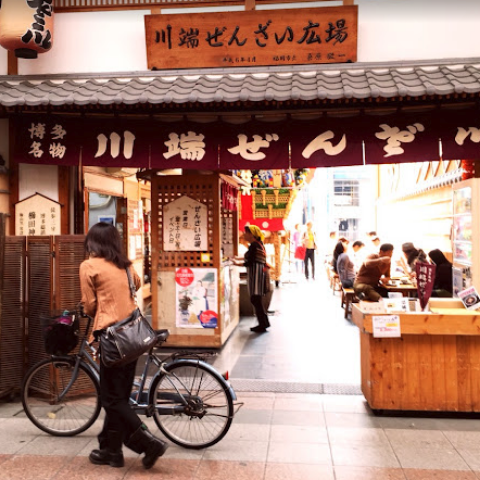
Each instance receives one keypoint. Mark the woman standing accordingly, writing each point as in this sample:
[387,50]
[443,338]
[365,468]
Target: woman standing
[106,297]
[258,279]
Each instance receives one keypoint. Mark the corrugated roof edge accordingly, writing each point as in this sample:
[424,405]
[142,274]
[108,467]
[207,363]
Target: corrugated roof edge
[250,70]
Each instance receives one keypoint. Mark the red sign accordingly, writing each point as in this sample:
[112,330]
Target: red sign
[425,280]
[184,277]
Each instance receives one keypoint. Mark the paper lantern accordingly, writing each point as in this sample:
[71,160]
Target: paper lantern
[26,26]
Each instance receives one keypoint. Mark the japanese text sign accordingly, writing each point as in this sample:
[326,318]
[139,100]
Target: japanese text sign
[37,216]
[262,37]
[185,226]
[425,279]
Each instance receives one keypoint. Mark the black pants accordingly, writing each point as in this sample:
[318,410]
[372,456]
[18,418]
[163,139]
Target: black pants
[310,255]
[115,388]
[262,317]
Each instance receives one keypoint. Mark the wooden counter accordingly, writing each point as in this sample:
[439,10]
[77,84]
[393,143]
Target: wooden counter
[433,366]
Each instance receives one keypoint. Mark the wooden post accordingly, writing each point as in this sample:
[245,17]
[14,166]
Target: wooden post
[249,5]
[348,2]
[12,64]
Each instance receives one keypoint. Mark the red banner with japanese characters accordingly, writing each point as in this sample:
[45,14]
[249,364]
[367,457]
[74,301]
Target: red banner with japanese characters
[254,145]
[425,274]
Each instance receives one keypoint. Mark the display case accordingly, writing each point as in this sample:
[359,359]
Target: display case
[466,228]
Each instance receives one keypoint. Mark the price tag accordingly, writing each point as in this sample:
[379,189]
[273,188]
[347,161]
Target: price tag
[386,326]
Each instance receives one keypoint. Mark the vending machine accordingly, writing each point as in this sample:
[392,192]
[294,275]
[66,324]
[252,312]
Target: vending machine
[466,235]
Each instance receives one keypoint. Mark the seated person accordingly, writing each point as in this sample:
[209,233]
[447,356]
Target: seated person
[346,267]
[411,256]
[442,286]
[374,272]
[338,250]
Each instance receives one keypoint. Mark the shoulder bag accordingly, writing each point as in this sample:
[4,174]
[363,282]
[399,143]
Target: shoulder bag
[125,341]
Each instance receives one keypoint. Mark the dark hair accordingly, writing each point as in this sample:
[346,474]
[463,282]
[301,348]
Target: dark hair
[337,251]
[375,239]
[386,247]
[438,258]
[358,243]
[373,233]
[103,240]
[332,234]
[343,240]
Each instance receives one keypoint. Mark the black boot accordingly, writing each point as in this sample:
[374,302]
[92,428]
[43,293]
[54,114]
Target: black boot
[111,454]
[142,441]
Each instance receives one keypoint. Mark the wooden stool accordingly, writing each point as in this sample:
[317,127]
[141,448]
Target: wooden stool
[348,297]
[335,284]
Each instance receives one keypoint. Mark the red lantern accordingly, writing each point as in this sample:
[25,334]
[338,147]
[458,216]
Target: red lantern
[26,26]
[468,167]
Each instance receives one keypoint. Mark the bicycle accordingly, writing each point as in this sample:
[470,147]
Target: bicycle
[191,403]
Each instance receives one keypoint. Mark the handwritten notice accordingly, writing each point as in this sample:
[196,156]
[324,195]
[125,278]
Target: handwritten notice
[386,326]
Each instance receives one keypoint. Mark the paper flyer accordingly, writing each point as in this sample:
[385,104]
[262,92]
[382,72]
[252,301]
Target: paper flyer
[386,326]
[470,298]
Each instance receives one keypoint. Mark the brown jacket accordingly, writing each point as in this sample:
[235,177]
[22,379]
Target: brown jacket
[105,291]
[372,270]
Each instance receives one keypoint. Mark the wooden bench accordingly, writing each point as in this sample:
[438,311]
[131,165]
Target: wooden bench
[348,297]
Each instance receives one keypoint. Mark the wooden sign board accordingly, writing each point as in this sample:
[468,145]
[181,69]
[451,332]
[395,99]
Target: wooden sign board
[266,37]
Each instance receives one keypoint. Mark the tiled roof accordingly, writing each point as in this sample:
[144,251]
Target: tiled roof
[280,84]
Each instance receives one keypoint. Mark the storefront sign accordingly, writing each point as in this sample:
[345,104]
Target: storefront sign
[261,37]
[324,142]
[37,216]
[185,226]
[196,294]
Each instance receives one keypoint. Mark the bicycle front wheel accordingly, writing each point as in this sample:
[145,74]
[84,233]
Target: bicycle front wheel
[56,404]
[193,404]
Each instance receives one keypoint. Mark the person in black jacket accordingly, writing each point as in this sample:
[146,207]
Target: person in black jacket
[442,286]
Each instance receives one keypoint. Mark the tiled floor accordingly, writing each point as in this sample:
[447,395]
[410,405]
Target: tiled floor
[275,436]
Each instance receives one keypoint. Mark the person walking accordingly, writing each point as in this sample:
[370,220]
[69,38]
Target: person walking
[106,297]
[310,244]
[258,278]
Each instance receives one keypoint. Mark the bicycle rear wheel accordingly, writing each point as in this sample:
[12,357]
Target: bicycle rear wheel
[71,415]
[208,413]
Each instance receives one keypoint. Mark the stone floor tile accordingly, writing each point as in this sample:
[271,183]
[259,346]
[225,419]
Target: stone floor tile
[434,456]
[254,416]
[308,419]
[417,437]
[4,458]
[8,410]
[80,468]
[299,404]
[350,420]
[32,467]
[49,445]
[304,453]
[256,403]
[249,431]
[164,469]
[344,404]
[357,436]
[364,456]
[240,451]
[414,474]
[176,451]
[282,471]
[298,434]
[464,439]
[221,470]
[368,473]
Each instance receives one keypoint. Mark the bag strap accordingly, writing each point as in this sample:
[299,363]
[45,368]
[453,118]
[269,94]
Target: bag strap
[133,291]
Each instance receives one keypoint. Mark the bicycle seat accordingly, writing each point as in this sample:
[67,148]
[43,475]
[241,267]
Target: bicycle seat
[162,335]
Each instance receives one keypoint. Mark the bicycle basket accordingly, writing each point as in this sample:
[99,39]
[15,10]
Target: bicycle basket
[60,334]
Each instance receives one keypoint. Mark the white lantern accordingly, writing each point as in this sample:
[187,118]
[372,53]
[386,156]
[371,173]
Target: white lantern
[26,26]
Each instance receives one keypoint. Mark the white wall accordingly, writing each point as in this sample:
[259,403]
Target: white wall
[38,178]
[389,30]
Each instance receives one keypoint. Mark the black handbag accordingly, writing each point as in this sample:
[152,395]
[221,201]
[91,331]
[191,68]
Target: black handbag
[127,340]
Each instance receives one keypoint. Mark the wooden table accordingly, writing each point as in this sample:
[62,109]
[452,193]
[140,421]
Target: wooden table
[407,290]
[433,366]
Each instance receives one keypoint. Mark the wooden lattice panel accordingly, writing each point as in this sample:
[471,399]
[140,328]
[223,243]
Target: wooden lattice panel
[69,254]
[40,294]
[228,233]
[203,189]
[12,329]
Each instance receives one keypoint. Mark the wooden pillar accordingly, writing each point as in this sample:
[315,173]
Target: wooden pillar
[12,68]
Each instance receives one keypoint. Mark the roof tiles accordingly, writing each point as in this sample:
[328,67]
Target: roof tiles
[299,83]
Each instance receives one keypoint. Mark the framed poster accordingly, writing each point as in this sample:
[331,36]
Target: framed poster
[196,297]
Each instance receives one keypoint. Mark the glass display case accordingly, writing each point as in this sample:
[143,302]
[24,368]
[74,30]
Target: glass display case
[465,231]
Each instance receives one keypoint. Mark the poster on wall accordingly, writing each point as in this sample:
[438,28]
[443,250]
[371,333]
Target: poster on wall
[196,297]
[185,226]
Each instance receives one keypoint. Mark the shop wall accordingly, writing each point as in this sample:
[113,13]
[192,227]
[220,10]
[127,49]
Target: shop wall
[394,30]
[38,179]
[424,218]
